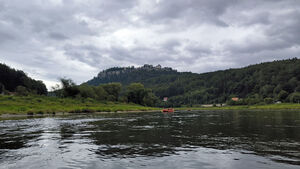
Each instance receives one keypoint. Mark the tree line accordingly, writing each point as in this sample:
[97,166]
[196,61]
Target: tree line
[17,81]
[133,93]
[268,82]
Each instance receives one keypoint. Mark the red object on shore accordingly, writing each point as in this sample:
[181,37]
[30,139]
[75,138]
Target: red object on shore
[168,110]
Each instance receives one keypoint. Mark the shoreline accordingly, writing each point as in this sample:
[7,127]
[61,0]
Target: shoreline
[22,115]
[39,106]
[12,115]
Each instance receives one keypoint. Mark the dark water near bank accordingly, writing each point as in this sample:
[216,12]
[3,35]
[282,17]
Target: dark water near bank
[205,139]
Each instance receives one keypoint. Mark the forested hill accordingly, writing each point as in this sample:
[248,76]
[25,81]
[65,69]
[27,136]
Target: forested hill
[12,80]
[127,75]
[277,80]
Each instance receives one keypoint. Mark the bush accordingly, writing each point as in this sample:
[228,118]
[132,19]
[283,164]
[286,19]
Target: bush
[297,89]
[87,91]
[253,101]
[246,101]
[113,90]
[22,91]
[295,97]
[239,102]
[268,100]
[69,88]
[137,93]
[282,95]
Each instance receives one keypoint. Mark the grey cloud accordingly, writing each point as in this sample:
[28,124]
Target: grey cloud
[281,33]
[265,12]
[262,18]
[139,55]
[85,53]
[77,38]
[192,11]
[112,8]
[7,33]
[57,36]
[252,47]
[286,27]
[5,37]
[198,49]
[171,45]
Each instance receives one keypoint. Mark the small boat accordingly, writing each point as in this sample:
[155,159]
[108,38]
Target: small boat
[168,110]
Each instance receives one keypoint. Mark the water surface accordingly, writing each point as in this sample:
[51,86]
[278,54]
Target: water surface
[204,139]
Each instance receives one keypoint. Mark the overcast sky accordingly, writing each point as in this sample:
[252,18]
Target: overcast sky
[49,39]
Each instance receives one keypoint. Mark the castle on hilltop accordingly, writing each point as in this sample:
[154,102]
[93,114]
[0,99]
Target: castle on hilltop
[119,70]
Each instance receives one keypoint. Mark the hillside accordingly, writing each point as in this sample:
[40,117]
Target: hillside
[127,75]
[277,80]
[12,80]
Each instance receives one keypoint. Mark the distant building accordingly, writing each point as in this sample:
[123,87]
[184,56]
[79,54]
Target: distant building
[235,99]
[158,66]
[207,105]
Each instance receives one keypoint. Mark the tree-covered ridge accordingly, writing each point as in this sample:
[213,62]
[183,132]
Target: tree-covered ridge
[127,75]
[12,80]
[275,81]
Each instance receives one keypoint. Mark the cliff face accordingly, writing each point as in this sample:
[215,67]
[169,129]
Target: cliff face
[126,75]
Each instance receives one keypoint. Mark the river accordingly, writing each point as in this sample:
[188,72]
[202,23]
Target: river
[198,139]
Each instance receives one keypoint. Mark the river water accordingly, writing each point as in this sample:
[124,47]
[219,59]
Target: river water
[202,139]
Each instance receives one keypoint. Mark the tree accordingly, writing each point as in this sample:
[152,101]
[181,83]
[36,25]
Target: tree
[40,88]
[101,94]
[22,91]
[2,88]
[268,100]
[69,88]
[57,90]
[297,89]
[11,79]
[266,90]
[277,89]
[150,99]
[282,95]
[86,91]
[113,90]
[266,80]
[295,97]
[135,93]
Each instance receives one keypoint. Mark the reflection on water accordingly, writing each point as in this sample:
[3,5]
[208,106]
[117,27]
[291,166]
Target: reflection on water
[202,139]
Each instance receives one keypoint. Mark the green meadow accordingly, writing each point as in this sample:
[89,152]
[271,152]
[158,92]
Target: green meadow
[281,106]
[48,105]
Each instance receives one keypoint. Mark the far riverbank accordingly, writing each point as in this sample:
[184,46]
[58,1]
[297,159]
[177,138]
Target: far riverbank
[47,106]
[281,106]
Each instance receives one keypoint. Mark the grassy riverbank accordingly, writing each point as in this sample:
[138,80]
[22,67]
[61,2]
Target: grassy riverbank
[45,105]
[282,106]
[48,105]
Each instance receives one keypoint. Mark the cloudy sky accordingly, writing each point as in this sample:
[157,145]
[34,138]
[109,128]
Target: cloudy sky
[49,39]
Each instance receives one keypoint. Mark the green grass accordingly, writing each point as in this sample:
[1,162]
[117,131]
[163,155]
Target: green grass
[44,105]
[282,106]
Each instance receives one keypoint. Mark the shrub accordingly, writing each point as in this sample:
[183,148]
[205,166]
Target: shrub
[22,91]
[295,97]
[282,95]
[268,100]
